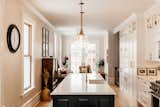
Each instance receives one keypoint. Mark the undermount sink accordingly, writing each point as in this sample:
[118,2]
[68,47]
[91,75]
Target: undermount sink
[96,81]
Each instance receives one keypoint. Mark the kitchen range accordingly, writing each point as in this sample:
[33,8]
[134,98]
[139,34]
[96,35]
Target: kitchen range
[148,87]
[155,92]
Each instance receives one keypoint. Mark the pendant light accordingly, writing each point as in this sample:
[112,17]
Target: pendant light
[81,40]
[81,34]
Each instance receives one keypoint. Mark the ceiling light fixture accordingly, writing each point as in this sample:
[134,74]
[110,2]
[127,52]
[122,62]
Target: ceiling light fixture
[81,41]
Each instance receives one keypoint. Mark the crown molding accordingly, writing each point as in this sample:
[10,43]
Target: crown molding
[124,23]
[28,5]
[152,10]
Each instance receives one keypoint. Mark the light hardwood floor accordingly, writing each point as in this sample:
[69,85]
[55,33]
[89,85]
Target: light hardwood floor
[121,100]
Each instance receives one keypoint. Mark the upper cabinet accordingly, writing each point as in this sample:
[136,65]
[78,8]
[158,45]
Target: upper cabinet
[152,27]
[127,42]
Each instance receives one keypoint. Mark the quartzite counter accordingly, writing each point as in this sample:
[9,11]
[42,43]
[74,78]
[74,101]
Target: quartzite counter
[79,90]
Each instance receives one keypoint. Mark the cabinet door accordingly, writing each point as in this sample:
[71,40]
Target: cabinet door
[62,101]
[105,103]
[152,45]
[83,102]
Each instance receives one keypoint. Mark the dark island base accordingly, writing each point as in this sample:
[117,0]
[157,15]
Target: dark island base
[83,101]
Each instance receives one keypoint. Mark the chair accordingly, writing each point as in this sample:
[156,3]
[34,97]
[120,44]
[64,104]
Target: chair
[85,69]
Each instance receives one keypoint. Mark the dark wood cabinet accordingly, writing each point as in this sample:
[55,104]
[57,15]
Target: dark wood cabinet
[47,63]
[62,101]
[83,101]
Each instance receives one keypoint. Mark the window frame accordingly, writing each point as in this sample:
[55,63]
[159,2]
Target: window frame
[45,42]
[29,55]
[72,49]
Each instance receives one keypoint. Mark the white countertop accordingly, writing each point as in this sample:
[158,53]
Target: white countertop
[75,84]
[149,78]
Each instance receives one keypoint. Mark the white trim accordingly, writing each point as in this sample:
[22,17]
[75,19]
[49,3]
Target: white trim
[33,101]
[37,13]
[27,92]
[32,23]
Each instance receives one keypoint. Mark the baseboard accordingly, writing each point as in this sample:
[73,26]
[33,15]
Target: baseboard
[33,101]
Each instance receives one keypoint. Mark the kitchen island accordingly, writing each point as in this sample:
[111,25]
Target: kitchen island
[83,90]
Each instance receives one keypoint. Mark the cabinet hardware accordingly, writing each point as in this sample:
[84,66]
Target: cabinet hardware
[65,100]
[80,99]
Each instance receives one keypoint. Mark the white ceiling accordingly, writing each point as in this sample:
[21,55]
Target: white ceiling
[99,14]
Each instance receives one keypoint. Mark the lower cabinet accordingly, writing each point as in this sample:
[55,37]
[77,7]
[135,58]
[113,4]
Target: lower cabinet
[83,101]
[143,92]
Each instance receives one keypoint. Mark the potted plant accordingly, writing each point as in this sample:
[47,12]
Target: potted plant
[65,61]
[101,66]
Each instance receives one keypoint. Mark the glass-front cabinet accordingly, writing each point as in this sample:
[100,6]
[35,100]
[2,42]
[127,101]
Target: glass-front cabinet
[152,26]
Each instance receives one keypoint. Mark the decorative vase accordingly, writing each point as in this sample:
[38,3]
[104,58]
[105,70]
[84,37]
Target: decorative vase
[46,94]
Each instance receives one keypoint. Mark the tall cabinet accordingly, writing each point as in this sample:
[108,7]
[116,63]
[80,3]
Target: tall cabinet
[139,50]
[127,59]
[152,27]
[128,49]
[48,64]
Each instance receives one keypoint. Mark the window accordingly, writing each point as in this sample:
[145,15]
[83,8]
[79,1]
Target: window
[27,56]
[92,56]
[81,56]
[76,57]
[45,42]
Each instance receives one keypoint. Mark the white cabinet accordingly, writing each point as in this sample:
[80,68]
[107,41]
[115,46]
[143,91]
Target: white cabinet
[152,45]
[152,36]
[143,92]
[128,63]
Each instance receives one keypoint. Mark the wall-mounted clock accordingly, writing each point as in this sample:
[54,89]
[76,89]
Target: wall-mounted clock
[13,38]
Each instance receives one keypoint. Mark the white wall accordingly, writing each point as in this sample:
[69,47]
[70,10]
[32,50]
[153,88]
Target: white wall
[12,64]
[1,33]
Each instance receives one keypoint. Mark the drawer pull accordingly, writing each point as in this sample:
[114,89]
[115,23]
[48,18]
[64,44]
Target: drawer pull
[63,100]
[83,99]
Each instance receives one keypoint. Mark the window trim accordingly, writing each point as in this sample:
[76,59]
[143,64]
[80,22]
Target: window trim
[28,90]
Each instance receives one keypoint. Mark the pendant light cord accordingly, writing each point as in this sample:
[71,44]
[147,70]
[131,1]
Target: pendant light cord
[81,20]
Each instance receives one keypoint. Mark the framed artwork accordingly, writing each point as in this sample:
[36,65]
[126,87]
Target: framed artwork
[45,42]
[142,72]
[152,71]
